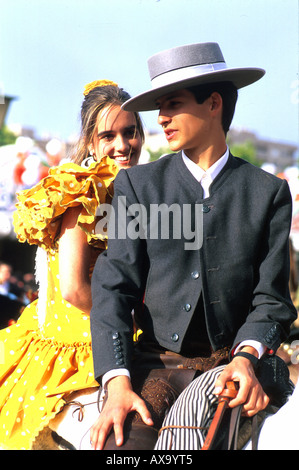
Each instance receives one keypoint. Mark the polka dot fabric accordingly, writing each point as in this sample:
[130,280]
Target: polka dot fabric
[37,218]
[40,367]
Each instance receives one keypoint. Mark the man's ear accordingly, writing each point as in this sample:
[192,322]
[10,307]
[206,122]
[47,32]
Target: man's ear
[216,101]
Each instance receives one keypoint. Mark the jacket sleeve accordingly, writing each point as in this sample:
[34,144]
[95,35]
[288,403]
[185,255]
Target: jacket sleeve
[272,311]
[117,285]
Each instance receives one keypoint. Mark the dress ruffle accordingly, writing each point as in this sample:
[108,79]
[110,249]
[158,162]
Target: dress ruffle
[41,366]
[38,375]
[37,218]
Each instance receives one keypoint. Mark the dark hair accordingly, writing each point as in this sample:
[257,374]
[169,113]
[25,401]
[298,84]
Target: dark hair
[229,95]
[97,99]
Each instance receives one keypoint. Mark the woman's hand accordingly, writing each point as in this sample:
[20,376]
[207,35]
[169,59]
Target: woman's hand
[121,401]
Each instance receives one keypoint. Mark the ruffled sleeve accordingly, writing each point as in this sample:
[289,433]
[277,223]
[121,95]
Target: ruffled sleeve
[37,218]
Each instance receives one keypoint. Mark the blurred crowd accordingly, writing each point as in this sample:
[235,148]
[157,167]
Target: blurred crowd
[16,291]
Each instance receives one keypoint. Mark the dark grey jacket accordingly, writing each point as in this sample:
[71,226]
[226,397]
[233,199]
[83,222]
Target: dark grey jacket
[241,269]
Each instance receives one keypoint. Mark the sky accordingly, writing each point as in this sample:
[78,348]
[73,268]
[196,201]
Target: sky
[49,49]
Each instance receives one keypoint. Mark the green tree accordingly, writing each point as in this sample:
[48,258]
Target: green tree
[156,154]
[6,136]
[247,151]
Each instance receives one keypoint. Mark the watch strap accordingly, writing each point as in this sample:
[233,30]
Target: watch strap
[254,360]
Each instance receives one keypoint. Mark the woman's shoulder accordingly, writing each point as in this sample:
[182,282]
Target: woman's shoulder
[155,169]
[37,218]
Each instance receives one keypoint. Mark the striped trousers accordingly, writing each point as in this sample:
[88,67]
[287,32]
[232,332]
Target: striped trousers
[185,426]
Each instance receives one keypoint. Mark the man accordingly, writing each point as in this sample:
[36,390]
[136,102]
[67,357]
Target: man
[224,289]
[5,276]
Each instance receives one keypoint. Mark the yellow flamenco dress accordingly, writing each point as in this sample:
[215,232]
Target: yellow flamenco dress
[47,354]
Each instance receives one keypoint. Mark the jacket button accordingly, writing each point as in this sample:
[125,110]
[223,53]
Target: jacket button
[195,275]
[175,337]
[118,355]
[187,307]
[115,335]
[205,208]
[120,362]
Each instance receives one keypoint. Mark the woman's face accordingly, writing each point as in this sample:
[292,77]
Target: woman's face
[117,137]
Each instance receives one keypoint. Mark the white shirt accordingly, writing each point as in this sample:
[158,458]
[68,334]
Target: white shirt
[4,288]
[205,178]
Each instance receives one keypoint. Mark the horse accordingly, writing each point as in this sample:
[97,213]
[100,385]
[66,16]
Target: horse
[70,428]
[280,430]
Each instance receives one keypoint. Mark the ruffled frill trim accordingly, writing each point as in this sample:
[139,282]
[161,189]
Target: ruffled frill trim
[29,444]
[55,370]
[37,218]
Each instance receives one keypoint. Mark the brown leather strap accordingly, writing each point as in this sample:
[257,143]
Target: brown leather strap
[254,433]
[234,424]
[228,393]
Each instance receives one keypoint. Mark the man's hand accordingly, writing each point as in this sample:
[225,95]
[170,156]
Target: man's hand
[121,401]
[250,392]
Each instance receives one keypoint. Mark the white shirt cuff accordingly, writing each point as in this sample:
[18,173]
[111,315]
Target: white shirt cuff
[260,348]
[255,344]
[105,379]
[113,373]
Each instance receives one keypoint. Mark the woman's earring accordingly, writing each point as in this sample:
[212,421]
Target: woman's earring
[88,160]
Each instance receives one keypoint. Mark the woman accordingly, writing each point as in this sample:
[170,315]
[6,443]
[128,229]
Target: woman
[47,353]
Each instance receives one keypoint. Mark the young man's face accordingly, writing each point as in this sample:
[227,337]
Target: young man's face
[186,123]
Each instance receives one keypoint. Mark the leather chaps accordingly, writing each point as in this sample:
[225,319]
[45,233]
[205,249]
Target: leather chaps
[159,378]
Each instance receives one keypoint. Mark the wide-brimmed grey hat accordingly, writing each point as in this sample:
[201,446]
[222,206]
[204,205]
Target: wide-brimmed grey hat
[186,66]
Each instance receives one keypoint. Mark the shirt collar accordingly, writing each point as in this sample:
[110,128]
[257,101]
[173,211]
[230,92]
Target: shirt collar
[212,172]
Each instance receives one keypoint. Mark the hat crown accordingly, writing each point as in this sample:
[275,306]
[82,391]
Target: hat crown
[187,66]
[184,56]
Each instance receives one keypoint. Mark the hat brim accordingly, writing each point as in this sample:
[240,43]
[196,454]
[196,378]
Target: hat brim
[239,77]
